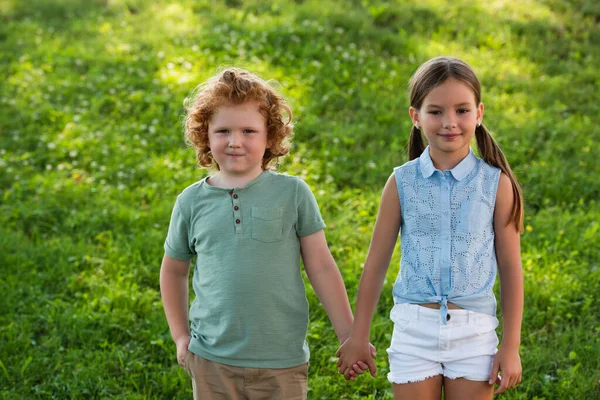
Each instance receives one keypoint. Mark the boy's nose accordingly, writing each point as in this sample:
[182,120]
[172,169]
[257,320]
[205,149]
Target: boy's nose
[234,140]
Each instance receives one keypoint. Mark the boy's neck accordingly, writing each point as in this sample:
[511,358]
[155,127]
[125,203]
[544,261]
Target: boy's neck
[226,181]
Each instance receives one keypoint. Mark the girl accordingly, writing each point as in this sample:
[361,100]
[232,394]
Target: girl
[460,218]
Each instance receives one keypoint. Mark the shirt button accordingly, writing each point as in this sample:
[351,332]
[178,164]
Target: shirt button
[445,260]
[446,237]
[236,208]
[445,212]
[235,196]
[237,221]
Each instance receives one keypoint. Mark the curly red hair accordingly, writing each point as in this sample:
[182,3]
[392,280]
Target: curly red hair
[231,87]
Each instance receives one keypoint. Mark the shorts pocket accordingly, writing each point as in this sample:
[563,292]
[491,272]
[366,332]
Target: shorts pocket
[473,217]
[399,318]
[302,370]
[267,224]
[486,324]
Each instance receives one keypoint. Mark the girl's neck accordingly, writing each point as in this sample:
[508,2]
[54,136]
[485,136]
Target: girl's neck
[227,181]
[445,161]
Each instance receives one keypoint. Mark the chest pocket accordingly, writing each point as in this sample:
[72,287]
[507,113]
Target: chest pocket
[474,217]
[267,224]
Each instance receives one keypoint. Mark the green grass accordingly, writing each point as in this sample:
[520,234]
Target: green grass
[92,157]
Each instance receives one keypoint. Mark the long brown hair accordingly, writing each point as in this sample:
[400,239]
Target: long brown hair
[432,74]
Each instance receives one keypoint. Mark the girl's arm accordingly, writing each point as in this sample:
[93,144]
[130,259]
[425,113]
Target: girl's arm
[174,290]
[508,254]
[385,235]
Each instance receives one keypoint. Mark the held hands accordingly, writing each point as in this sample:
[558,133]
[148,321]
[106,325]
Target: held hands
[182,348]
[355,358]
[509,363]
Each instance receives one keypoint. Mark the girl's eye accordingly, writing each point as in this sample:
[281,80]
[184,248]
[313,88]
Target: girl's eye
[222,131]
[248,131]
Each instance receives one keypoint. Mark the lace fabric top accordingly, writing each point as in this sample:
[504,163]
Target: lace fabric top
[447,234]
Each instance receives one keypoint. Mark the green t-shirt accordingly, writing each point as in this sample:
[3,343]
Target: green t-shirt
[250,308]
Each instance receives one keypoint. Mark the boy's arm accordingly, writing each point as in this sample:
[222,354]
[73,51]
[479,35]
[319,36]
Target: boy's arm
[508,254]
[174,290]
[385,235]
[327,282]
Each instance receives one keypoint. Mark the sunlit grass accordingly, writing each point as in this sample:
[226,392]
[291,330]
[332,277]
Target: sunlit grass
[92,157]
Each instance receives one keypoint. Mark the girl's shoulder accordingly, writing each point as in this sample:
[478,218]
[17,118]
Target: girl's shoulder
[485,165]
[408,165]
[489,172]
[408,170]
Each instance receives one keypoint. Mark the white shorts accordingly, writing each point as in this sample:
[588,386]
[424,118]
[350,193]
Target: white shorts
[422,347]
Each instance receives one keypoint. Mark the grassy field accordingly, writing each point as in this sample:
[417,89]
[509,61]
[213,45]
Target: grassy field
[92,157]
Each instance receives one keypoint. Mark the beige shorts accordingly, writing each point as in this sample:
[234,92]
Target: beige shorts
[215,381]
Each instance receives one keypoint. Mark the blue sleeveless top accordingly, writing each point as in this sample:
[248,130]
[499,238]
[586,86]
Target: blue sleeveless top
[447,234]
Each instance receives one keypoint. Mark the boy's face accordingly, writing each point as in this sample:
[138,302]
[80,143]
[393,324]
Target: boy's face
[237,135]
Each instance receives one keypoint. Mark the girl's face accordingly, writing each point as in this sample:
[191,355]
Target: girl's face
[237,136]
[448,118]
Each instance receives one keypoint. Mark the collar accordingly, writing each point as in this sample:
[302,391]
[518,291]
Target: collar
[263,176]
[459,172]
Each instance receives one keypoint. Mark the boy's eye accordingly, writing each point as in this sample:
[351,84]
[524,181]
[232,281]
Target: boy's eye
[435,112]
[462,110]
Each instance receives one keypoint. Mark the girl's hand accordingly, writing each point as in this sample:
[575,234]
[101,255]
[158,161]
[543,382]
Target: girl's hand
[355,358]
[360,367]
[508,363]
[182,349]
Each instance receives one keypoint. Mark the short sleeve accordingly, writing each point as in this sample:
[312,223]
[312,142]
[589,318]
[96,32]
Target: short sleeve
[177,244]
[309,217]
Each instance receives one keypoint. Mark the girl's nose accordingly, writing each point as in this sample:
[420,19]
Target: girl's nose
[449,122]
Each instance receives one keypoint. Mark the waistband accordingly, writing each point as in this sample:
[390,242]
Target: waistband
[415,312]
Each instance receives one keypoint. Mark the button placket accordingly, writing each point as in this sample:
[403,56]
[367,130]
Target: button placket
[237,213]
[445,234]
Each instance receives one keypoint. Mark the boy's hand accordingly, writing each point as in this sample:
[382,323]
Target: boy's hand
[509,363]
[355,358]
[182,349]
[360,366]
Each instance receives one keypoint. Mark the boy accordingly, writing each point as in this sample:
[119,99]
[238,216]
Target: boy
[248,227]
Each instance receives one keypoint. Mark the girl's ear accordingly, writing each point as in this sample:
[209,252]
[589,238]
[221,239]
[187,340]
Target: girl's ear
[414,116]
[480,114]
